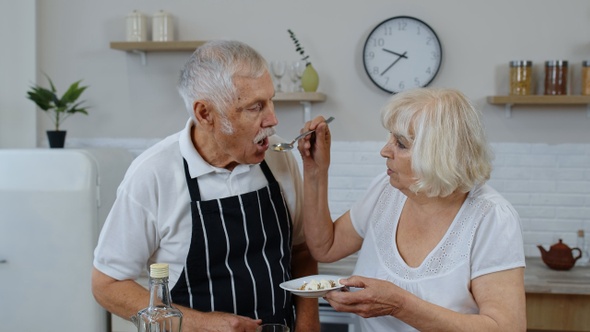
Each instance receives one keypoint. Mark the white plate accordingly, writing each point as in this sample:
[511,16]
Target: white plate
[294,285]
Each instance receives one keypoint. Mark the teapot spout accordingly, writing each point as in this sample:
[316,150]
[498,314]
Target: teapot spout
[543,251]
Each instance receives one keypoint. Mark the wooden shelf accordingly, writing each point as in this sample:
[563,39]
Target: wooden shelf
[142,48]
[540,100]
[154,46]
[566,100]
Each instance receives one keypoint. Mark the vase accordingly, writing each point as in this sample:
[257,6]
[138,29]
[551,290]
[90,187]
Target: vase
[310,79]
[56,138]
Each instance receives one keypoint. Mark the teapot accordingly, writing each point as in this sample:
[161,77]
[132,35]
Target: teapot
[560,256]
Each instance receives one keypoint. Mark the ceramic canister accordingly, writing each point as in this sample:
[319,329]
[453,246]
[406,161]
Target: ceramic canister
[162,27]
[136,27]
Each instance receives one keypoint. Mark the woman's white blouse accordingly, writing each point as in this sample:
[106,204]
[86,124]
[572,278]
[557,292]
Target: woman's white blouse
[484,237]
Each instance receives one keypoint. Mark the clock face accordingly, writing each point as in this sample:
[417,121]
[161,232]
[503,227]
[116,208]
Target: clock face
[402,53]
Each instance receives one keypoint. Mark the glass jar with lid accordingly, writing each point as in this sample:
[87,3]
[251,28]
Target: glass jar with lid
[586,77]
[556,76]
[521,72]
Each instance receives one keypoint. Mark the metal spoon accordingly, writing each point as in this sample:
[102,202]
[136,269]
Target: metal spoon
[280,147]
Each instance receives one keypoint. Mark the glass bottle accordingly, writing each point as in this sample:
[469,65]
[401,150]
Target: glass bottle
[159,316]
[581,244]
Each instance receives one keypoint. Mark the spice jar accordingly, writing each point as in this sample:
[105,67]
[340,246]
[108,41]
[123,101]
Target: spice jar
[521,73]
[556,77]
[586,77]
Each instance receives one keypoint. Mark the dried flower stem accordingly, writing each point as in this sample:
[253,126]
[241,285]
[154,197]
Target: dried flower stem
[298,48]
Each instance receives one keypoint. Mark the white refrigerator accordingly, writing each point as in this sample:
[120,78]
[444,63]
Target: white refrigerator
[53,203]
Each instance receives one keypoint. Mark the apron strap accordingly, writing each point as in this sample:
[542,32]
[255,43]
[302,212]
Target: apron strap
[193,185]
[267,173]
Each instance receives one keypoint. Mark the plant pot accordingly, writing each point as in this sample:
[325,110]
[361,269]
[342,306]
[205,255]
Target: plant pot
[56,138]
[310,79]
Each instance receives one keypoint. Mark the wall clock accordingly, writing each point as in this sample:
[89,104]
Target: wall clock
[401,53]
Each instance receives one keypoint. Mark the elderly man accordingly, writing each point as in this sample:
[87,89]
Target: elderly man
[209,201]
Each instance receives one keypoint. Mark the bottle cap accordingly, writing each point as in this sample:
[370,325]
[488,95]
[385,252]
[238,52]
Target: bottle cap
[159,270]
[521,63]
[556,63]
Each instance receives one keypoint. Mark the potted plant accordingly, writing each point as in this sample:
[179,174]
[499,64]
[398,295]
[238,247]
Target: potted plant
[58,109]
[310,79]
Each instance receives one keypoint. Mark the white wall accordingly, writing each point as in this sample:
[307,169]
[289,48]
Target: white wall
[129,100]
[17,73]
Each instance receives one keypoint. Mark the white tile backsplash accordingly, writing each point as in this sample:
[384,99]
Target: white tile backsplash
[549,185]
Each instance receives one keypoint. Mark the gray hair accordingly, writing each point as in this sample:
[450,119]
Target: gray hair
[208,74]
[449,148]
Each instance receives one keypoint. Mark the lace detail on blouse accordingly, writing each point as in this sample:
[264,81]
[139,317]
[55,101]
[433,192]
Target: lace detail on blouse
[453,250]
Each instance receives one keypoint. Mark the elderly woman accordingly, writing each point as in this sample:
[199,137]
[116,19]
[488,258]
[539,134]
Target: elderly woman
[439,249]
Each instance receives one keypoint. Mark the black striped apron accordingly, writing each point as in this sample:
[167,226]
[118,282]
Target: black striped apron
[240,252]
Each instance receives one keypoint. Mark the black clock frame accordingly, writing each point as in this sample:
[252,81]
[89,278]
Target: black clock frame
[400,17]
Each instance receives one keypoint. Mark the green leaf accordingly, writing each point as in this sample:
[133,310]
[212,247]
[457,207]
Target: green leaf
[73,93]
[48,101]
[42,97]
[53,89]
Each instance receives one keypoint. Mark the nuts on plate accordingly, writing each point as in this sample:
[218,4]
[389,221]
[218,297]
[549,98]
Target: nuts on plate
[318,285]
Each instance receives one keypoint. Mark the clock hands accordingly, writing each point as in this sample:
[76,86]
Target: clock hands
[396,60]
[392,52]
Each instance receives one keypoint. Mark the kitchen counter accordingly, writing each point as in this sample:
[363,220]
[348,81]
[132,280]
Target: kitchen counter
[557,300]
[538,278]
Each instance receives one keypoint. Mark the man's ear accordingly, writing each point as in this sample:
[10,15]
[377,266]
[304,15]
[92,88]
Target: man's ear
[203,113]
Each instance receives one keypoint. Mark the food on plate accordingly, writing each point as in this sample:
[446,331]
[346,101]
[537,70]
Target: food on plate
[318,285]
